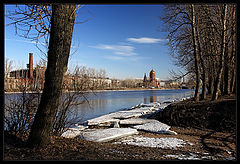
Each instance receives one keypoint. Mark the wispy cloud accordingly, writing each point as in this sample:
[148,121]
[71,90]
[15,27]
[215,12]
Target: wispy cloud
[145,40]
[127,59]
[114,58]
[117,49]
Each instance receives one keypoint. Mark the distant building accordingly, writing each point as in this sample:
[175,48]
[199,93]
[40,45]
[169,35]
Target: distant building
[28,78]
[152,82]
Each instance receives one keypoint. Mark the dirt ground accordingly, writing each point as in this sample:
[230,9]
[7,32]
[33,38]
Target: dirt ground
[207,144]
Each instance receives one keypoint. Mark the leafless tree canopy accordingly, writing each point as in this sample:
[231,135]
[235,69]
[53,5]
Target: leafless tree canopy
[32,21]
[202,39]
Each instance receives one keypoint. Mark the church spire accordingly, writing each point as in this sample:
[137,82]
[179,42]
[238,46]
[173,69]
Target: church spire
[145,78]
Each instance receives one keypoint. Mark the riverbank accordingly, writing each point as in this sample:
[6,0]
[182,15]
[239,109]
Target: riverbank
[204,144]
[207,146]
[219,115]
[105,90]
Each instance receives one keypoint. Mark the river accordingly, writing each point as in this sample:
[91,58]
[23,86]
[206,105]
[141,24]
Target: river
[101,103]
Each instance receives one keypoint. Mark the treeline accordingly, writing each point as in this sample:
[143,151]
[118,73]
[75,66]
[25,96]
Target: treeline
[202,39]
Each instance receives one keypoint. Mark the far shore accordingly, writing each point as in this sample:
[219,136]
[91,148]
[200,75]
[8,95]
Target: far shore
[106,90]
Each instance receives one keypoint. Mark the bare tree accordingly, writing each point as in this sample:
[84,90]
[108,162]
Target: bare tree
[196,53]
[216,91]
[202,40]
[8,66]
[62,23]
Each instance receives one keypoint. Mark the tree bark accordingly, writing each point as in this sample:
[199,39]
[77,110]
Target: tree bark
[227,77]
[196,54]
[221,65]
[62,23]
[202,62]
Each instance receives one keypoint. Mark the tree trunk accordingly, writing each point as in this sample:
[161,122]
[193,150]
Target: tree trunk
[204,80]
[221,65]
[196,55]
[233,55]
[233,81]
[227,77]
[211,84]
[62,23]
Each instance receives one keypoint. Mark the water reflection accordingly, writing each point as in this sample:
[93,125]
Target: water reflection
[152,99]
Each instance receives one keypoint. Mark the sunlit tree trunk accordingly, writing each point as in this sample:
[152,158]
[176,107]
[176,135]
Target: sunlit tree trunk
[196,54]
[223,44]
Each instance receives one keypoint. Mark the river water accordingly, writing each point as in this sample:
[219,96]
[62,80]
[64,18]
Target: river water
[101,103]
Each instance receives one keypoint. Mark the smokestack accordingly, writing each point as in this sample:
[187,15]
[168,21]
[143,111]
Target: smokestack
[30,65]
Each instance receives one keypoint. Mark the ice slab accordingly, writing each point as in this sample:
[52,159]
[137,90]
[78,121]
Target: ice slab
[105,135]
[142,110]
[124,115]
[154,104]
[155,127]
[104,120]
[114,117]
[135,121]
[73,132]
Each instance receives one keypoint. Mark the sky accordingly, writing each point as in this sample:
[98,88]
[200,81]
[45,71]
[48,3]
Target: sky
[125,40]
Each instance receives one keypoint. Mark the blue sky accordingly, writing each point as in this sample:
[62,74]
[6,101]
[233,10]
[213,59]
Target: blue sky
[125,40]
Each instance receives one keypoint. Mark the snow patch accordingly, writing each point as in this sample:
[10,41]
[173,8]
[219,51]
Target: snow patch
[169,142]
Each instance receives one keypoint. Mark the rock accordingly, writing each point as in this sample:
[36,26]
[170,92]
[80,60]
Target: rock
[105,135]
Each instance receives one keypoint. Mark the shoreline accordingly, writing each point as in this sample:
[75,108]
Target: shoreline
[206,144]
[106,90]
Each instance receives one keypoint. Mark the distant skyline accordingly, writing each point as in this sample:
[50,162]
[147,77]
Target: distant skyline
[125,40]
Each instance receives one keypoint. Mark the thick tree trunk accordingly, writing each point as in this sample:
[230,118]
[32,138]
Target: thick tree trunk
[196,55]
[221,65]
[62,23]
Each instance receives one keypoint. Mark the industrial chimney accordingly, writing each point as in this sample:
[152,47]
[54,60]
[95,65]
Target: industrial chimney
[30,65]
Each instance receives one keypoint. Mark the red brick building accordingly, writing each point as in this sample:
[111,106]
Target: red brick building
[29,78]
[152,82]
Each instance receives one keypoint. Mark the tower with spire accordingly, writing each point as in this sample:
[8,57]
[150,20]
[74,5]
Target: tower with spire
[152,82]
